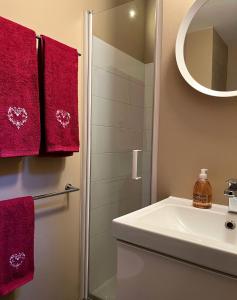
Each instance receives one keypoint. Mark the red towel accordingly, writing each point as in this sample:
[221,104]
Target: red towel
[19,93]
[59,97]
[16,243]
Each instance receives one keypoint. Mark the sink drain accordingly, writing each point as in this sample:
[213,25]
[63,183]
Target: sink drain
[230,225]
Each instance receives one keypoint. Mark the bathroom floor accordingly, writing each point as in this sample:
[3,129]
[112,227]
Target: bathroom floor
[106,291]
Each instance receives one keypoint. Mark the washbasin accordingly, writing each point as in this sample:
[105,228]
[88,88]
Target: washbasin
[175,228]
[184,221]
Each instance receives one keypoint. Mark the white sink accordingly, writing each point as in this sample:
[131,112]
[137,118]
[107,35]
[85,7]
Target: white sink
[174,227]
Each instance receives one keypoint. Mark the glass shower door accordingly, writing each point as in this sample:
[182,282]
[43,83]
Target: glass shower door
[122,110]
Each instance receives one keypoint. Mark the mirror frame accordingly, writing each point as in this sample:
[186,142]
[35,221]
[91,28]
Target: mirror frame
[180,59]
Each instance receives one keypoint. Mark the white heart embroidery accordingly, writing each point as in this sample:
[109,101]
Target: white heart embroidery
[16,260]
[17,116]
[63,117]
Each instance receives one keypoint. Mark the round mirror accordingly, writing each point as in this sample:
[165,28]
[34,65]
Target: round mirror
[206,47]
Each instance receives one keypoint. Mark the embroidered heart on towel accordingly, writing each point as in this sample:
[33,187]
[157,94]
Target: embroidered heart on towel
[63,117]
[16,260]
[17,116]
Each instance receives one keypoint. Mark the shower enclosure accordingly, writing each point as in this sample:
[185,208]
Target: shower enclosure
[120,111]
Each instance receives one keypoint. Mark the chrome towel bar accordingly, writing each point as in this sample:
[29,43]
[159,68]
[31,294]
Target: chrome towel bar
[68,189]
[38,38]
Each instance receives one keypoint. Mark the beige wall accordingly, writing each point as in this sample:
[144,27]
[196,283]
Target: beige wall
[150,27]
[196,130]
[206,56]
[199,54]
[136,36]
[57,221]
[219,63]
[119,30]
[232,68]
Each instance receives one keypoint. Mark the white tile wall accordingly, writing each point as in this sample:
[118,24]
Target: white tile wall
[114,60]
[109,85]
[109,113]
[114,139]
[136,120]
[101,218]
[120,119]
[107,191]
[102,259]
[149,95]
[110,165]
[148,118]
[136,93]
[146,163]
[147,140]
[149,74]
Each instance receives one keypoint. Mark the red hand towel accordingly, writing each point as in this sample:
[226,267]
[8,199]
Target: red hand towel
[59,97]
[16,243]
[19,94]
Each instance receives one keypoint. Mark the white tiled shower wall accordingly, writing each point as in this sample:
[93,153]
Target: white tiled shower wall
[121,122]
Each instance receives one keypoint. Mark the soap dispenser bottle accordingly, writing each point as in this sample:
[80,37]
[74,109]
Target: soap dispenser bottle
[202,191]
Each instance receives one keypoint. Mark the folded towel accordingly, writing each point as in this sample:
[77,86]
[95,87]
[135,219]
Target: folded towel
[16,243]
[19,94]
[59,97]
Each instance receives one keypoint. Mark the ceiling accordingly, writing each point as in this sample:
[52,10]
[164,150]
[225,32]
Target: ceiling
[222,15]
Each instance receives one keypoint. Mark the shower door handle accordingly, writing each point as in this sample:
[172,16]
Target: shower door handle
[134,164]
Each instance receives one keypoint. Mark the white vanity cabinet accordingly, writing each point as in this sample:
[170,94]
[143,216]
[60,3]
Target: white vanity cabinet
[146,275]
[173,251]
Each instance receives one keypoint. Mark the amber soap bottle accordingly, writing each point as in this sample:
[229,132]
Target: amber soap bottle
[202,191]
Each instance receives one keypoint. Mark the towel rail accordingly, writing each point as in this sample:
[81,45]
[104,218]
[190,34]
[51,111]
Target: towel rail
[68,189]
[38,38]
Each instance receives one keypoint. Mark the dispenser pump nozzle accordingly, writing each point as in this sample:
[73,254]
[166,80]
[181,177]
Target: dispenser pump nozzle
[203,174]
